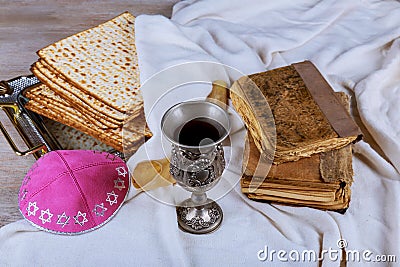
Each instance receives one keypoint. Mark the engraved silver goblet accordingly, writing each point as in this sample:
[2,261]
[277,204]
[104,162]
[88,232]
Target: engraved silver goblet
[196,130]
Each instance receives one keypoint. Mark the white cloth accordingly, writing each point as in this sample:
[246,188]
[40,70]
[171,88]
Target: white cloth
[353,43]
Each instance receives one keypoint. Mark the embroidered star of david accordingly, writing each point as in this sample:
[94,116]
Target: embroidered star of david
[81,222]
[119,184]
[112,198]
[45,216]
[26,181]
[34,166]
[63,219]
[121,171]
[99,209]
[23,193]
[29,208]
[111,157]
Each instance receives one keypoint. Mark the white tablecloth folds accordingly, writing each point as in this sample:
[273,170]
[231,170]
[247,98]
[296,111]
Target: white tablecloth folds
[355,44]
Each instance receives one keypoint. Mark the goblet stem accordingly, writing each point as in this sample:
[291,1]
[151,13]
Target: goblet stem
[199,199]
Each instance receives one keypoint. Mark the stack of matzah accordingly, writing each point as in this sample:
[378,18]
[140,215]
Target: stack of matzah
[90,81]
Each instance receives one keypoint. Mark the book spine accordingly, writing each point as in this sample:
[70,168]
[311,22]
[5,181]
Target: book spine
[327,101]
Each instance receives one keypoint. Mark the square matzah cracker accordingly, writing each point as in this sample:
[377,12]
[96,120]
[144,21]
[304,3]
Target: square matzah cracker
[59,85]
[136,131]
[101,62]
[52,89]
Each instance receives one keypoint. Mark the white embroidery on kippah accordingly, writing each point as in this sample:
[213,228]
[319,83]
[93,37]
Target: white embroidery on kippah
[119,184]
[49,215]
[35,208]
[63,219]
[26,180]
[112,201]
[82,222]
[34,166]
[111,157]
[99,209]
[121,171]
[23,194]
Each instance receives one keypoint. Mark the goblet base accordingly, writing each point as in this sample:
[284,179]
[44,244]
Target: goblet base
[200,219]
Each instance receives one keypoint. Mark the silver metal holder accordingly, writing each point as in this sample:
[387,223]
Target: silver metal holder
[29,125]
[199,214]
[196,168]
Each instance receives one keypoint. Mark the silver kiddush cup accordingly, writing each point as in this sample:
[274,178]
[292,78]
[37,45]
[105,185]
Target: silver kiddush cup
[196,130]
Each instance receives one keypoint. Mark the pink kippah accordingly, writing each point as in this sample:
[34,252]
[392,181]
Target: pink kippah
[73,191]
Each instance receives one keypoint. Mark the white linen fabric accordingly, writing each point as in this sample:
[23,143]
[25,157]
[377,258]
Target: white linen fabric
[355,44]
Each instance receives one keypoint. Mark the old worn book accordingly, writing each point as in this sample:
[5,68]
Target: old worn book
[320,181]
[297,104]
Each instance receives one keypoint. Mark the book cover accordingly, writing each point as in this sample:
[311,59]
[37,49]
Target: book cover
[302,110]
